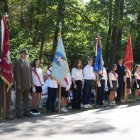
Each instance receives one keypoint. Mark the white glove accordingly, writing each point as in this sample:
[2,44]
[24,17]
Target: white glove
[137,86]
[33,89]
[106,89]
[67,88]
[115,94]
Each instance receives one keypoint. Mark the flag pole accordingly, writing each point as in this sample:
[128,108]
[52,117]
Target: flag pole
[96,82]
[4,105]
[59,34]
[60,98]
[125,90]
[97,78]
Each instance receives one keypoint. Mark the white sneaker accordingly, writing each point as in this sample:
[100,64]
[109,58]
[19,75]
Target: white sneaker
[85,106]
[64,110]
[111,104]
[34,114]
[114,103]
[38,113]
[89,106]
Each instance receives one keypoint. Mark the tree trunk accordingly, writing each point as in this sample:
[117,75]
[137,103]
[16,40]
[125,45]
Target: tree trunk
[116,36]
[113,46]
[106,56]
[41,48]
[6,6]
[119,35]
[60,18]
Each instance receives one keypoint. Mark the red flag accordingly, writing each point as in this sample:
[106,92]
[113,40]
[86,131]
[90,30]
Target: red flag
[128,58]
[5,64]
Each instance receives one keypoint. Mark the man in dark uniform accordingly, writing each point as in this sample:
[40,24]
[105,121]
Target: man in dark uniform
[24,82]
[121,72]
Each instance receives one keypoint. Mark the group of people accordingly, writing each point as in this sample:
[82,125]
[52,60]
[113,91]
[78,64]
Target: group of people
[80,88]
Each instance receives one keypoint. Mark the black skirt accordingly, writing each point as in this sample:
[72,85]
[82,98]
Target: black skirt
[128,83]
[135,85]
[64,93]
[114,84]
[38,89]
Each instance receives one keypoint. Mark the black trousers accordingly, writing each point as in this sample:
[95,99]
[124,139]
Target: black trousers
[22,95]
[76,102]
[100,93]
[120,90]
[88,84]
[52,93]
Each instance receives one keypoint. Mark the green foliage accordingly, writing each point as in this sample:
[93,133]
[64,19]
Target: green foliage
[32,24]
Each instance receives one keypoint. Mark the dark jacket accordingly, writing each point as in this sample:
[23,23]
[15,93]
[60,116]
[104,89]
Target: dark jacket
[23,75]
[121,72]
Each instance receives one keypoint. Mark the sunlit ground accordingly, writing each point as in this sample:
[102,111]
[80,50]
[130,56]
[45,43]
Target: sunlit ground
[111,122]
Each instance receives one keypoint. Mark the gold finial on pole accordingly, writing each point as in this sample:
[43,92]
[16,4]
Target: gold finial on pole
[6,14]
[60,28]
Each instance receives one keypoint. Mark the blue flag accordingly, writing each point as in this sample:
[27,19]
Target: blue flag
[98,67]
[60,67]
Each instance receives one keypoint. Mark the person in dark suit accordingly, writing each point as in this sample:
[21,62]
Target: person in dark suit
[121,73]
[24,82]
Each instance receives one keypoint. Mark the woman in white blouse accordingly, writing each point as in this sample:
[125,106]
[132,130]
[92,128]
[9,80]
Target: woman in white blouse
[113,81]
[38,81]
[137,81]
[77,79]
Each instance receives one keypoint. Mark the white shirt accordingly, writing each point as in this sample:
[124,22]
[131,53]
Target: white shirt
[77,74]
[89,73]
[103,78]
[137,75]
[51,82]
[67,82]
[45,87]
[36,80]
[113,77]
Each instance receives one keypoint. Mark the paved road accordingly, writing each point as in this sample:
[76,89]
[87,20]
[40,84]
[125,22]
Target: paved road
[116,123]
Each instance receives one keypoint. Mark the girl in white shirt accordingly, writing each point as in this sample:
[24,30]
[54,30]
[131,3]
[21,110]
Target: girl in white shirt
[38,81]
[113,80]
[77,79]
[65,90]
[137,80]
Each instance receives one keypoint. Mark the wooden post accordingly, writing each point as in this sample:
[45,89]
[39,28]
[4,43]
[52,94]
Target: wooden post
[4,105]
[60,98]
[125,88]
[96,84]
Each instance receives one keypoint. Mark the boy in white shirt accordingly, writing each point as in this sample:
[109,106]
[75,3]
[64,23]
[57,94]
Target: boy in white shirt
[52,91]
[89,78]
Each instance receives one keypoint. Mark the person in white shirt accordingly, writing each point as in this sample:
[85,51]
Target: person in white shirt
[65,90]
[89,80]
[52,91]
[137,81]
[102,85]
[38,81]
[77,78]
[44,94]
[113,81]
